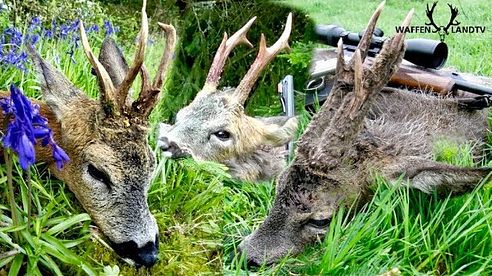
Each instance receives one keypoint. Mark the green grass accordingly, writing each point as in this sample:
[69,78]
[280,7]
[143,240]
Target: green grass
[203,215]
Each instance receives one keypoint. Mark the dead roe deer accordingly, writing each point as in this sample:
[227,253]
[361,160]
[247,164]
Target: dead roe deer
[111,163]
[214,126]
[362,129]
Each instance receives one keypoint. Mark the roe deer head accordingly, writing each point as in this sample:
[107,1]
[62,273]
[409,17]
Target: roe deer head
[362,129]
[214,126]
[111,163]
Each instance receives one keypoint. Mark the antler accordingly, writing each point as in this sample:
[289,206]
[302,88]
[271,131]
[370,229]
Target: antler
[108,92]
[113,99]
[429,13]
[116,100]
[132,73]
[223,52]
[150,92]
[341,117]
[265,55]
[454,13]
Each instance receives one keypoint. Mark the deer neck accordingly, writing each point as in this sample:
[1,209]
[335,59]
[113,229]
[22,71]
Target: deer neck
[262,164]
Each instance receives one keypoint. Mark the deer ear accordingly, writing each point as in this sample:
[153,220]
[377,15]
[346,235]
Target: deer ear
[429,176]
[58,92]
[113,61]
[279,130]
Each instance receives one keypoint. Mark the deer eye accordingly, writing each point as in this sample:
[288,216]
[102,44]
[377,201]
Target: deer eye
[99,175]
[222,135]
[319,223]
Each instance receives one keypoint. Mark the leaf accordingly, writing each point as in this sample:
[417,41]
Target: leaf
[68,224]
[111,271]
[51,265]
[16,265]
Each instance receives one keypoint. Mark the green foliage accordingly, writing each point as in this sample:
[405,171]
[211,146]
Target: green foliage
[63,11]
[44,241]
[126,15]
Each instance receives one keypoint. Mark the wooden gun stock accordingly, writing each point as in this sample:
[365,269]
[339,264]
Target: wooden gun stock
[426,81]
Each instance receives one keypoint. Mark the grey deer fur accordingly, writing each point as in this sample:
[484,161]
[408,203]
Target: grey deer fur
[215,128]
[111,163]
[363,129]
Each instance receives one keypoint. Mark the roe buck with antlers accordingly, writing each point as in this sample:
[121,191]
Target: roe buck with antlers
[360,129]
[111,163]
[214,126]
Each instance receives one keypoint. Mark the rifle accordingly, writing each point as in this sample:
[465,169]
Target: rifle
[286,93]
[430,57]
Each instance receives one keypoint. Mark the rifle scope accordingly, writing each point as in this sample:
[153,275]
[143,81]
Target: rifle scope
[423,52]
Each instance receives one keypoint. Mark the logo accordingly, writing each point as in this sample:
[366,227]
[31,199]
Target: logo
[442,30]
[453,25]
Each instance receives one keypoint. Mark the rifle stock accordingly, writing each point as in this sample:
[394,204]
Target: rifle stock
[418,79]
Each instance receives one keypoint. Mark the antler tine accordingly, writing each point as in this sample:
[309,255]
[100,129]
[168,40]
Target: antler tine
[168,53]
[137,61]
[108,96]
[223,52]
[340,57]
[365,41]
[392,53]
[265,55]
[150,93]
[359,95]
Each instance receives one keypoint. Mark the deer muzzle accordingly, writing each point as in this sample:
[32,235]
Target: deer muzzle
[143,256]
[171,149]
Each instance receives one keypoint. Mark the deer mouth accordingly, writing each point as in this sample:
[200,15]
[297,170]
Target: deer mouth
[171,149]
[146,255]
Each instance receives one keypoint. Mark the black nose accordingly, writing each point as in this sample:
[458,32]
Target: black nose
[145,255]
[247,264]
[163,144]
[171,147]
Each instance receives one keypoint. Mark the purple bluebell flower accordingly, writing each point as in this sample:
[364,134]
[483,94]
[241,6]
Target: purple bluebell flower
[109,28]
[14,35]
[35,22]
[15,59]
[47,33]
[34,39]
[27,125]
[50,33]
[64,30]
[93,29]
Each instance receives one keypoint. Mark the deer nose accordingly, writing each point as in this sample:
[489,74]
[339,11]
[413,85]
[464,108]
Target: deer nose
[249,264]
[163,143]
[170,148]
[143,256]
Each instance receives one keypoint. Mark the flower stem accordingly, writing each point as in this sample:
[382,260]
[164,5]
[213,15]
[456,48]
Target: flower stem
[29,192]
[10,177]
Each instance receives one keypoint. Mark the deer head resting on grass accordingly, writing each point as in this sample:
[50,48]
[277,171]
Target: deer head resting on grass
[214,126]
[361,129]
[111,163]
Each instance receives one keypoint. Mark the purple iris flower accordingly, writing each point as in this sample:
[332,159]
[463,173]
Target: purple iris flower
[25,127]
